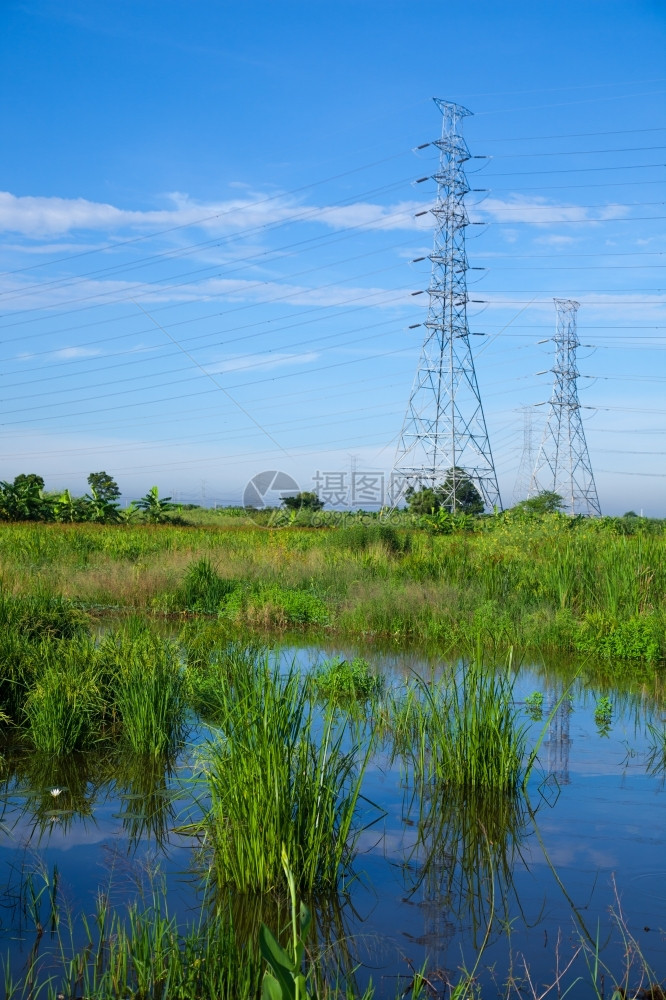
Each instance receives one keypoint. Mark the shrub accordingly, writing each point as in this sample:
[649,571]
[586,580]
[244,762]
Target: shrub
[275,606]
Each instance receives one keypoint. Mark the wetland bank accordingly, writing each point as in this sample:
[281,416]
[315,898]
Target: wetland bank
[450,742]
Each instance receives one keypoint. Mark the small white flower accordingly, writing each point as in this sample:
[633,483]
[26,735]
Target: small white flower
[55,792]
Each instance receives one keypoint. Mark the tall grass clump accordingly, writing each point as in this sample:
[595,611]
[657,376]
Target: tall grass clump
[144,952]
[203,589]
[462,730]
[279,776]
[148,689]
[63,707]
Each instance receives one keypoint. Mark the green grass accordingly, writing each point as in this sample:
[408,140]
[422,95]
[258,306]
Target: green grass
[462,730]
[279,777]
[143,952]
[596,586]
[203,589]
[62,709]
[345,681]
[148,689]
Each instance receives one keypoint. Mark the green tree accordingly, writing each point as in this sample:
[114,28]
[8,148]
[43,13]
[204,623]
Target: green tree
[458,493]
[29,479]
[303,501]
[99,509]
[68,508]
[103,486]
[423,501]
[545,502]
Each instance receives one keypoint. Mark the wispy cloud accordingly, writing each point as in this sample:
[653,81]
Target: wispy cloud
[270,360]
[69,353]
[39,217]
[601,306]
[538,210]
[91,292]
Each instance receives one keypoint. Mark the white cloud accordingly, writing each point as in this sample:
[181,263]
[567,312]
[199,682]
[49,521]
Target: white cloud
[536,209]
[68,353]
[37,217]
[17,296]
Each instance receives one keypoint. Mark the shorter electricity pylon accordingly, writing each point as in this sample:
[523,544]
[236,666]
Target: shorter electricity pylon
[526,469]
[563,463]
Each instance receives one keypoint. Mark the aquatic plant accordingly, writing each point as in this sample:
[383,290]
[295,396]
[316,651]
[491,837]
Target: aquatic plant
[656,749]
[603,711]
[148,691]
[462,729]
[278,776]
[214,663]
[286,979]
[534,705]
[345,680]
[63,706]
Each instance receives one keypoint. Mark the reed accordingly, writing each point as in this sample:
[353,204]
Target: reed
[278,776]
[462,730]
[148,689]
[62,709]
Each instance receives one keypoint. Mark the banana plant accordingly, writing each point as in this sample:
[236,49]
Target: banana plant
[66,508]
[23,501]
[99,509]
[155,508]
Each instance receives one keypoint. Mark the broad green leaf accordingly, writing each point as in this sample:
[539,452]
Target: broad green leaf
[279,961]
[270,988]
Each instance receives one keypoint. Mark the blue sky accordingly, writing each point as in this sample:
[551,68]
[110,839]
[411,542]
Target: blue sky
[207,224]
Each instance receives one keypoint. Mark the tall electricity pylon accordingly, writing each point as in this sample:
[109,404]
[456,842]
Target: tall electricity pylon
[444,442]
[563,463]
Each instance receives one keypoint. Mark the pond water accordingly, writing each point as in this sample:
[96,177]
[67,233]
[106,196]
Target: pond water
[579,860]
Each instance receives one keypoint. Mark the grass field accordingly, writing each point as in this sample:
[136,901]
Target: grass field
[542,584]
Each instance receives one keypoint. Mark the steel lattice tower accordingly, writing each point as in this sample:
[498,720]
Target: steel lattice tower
[563,463]
[444,431]
[523,483]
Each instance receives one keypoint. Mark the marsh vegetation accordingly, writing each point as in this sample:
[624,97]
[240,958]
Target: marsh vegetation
[144,670]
